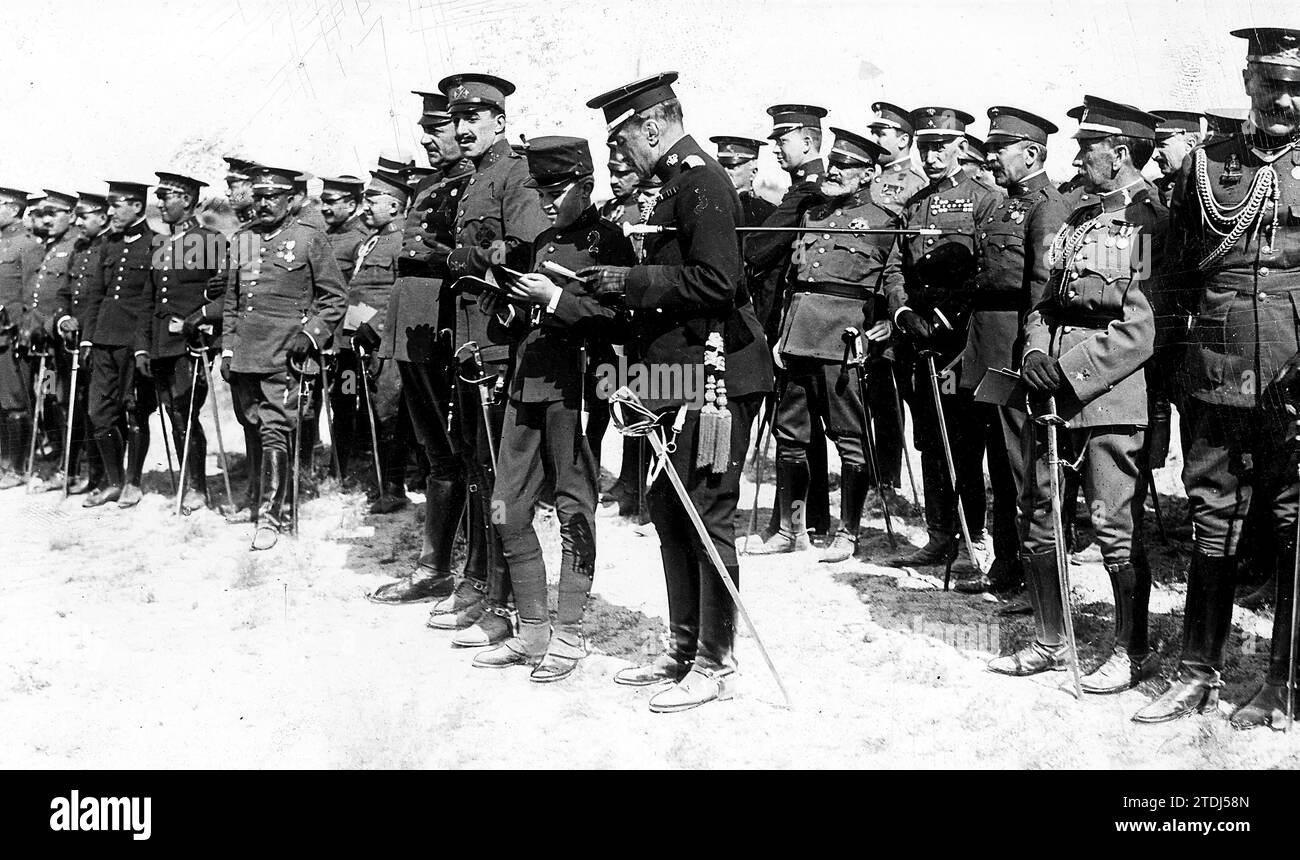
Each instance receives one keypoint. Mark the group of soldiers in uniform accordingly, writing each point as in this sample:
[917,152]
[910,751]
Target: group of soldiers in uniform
[1044,330]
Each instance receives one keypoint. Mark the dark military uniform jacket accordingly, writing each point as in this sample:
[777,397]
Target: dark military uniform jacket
[496,223]
[44,303]
[373,278]
[419,305]
[838,276]
[767,255]
[189,275]
[1011,273]
[345,238]
[939,271]
[896,184]
[127,263]
[690,283]
[547,361]
[84,288]
[756,210]
[310,216]
[1096,318]
[20,258]
[1242,298]
[279,284]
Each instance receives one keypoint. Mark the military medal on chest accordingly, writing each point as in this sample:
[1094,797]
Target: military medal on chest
[286,251]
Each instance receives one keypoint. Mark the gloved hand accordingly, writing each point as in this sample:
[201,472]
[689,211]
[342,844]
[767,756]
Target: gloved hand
[190,328]
[1041,372]
[142,366]
[366,338]
[69,331]
[914,326]
[608,284]
[225,368]
[300,349]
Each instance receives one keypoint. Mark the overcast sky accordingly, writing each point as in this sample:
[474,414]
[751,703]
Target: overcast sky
[99,90]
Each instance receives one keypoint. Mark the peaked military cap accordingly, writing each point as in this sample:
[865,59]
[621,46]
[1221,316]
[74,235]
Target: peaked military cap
[13,195]
[1102,118]
[129,190]
[266,178]
[972,149]
[856,150]
[87,202]
[940,122]
[620,103]
[1009,123]
[394,160]
[238,169]
[181,184]
[1178,122]
[415,174]
[471,90]
[1273,50]
[736,150]
[392,184]
[788,117]
[336,187]
[555,159]
[891,116]
[60,199]
[1225,121]
[434,108]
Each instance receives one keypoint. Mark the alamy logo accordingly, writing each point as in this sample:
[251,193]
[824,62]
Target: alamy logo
[131,814]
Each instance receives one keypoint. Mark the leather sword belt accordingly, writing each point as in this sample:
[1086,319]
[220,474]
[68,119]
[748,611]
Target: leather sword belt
[844,291]
[1095,321]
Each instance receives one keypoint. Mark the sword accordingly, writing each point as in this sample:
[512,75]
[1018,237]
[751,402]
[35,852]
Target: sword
[902,434]
[72,411]
[952,469]
[221,444]
[189,428]
[1051,421]
[305,375]
[38,412]
[370,414]
[649,427]
[326,394]
[854,356]
[166,434]
[484,396]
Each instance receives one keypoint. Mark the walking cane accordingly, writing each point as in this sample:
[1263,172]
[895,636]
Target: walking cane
[855,357]
[952,468]
[1052,421]
[72,411]
[364,378]
[166,434]
[902,434]
[648,426]
[221,444]
[326,393]
[196,360]
[38,413]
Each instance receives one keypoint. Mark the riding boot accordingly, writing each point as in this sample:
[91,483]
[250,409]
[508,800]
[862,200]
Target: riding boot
[247,506]
[1048,652]
[817,501]
[432,578]
[110,455]
[681,578]
[791,499]
[713,675]
[307,487]
[1207,621]
[1132,660]
[137,446]
[273,509]
[853,492]
[12,450]
[1268,707]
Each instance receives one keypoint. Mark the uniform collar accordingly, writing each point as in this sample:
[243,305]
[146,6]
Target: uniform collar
[185,225]
[458,168]
[673,161]
[588,218]
[499,149]
[809,171]
[1120,198]
[1033,182]
[951,181]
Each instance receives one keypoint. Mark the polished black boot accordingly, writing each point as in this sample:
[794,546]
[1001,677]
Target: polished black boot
[1131,661]
[1048,652]
[196,483]
[1268,707]
[713,675]
[683,586]
[110,456]
[137,446]
[246,508]
[271,514]
[791,499]
[853,492]
[432,578]
[308,488]
[1207,621]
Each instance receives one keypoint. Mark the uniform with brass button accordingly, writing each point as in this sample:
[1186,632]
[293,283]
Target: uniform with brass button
[20,258]
[899,179]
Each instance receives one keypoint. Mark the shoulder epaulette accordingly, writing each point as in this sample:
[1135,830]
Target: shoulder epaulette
[692,161]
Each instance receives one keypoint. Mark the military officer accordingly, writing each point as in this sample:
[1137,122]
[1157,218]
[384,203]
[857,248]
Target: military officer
[80,303]
[20,257]
[496,223]
[119,396]
[797,136]
[1224,122]
[689,309]
[1237,234]
[939,272]
[544,438]
[362,332]
[51,224]
[739,157]
[183,297]
[840,281]
[1084,346]
[239,190]
[1179,132]
[340,206]
[420,310]
[973,162]
[891,128]
[284,295]
[1010,279]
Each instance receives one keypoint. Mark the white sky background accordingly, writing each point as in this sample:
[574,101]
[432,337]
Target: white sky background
[98,90]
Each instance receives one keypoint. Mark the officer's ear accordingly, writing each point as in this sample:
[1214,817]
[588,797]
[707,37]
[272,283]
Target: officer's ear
[499,121]
[1119,153]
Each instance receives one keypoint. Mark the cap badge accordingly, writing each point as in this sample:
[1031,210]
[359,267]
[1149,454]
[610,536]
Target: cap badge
[461,92]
